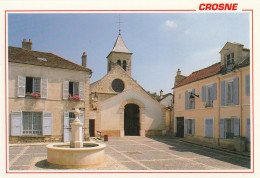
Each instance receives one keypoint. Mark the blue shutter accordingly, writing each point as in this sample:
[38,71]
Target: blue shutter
[223,102]
[16,123]
[204,93]
[206,127]
[47,123]
[235,91]
[247,85]
[211,131]
[185,126]
[186,100]
[248,129]
[193,103]
[236,127]
[192,126]
[66,134]
[214,91]
[221,128]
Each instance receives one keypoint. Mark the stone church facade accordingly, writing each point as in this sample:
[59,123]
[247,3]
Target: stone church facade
[119,105]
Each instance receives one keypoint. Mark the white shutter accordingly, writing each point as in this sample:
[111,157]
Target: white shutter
[65,90]
[81,90]
[66,133]
[47,123]
[16,123]
[21,86]
[81,118]
[44,88]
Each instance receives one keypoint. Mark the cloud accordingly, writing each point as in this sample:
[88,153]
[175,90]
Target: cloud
[171,24]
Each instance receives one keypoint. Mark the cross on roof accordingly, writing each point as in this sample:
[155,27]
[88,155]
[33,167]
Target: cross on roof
[119,23]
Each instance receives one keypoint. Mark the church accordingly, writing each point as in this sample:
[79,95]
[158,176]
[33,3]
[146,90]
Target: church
[44,88]
[119,106]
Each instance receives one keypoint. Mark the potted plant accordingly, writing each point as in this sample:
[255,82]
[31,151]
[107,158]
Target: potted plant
[74,97]
[36,95]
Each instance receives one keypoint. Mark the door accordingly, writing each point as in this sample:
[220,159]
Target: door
[92,127]
[131,120]
[180,127]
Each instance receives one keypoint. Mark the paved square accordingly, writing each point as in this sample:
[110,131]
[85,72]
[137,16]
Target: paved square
[138,153]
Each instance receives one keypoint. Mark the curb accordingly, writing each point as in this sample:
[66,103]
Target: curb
[216,148]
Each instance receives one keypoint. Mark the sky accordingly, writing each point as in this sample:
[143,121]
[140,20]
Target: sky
[160,42]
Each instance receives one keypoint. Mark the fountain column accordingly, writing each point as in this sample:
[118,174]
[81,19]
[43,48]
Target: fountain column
[76,132]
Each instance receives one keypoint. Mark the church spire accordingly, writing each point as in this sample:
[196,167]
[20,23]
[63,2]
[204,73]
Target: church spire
[119,25]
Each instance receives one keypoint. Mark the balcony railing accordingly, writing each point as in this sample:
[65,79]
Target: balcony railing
[209,104]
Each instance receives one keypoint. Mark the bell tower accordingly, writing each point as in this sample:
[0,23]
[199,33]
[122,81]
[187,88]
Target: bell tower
[119,55]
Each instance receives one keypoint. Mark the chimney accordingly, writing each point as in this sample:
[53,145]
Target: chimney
[161,94]
[27,45]
[84,59]
[179,72]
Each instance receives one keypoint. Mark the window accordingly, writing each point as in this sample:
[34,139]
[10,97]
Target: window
[32,123]
[73,88]
[118,62]
[33,85]
[209,101]
[189,126]
[230,59]
[229,127]
[118,85]
[229,93]
[124,65]
[71,118]
[209,127]
[190,101]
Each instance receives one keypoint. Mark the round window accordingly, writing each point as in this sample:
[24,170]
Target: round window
[118,85]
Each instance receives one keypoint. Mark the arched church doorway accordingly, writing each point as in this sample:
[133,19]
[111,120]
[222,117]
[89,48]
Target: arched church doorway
[132,120]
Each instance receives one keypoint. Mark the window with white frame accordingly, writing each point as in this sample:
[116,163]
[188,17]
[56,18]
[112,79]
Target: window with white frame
[33,85]
[73,88]
[32,123]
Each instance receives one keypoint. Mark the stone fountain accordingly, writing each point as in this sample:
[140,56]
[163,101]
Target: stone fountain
[76,153]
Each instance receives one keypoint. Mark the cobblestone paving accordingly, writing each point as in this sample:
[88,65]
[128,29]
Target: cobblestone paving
[138,153]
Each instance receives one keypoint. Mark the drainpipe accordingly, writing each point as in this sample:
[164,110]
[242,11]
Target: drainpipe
[219,105]
[240,98]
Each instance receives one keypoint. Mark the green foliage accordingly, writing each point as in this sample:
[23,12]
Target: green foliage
[154,94]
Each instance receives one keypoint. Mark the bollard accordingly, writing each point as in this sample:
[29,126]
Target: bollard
[105,138]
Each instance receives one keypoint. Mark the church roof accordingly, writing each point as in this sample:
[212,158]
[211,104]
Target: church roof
[120,46]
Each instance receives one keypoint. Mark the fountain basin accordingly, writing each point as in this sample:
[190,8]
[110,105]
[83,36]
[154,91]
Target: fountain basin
[63,156]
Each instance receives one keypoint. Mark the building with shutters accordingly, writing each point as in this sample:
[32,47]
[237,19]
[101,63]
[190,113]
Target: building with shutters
[43,88]
[213,104]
